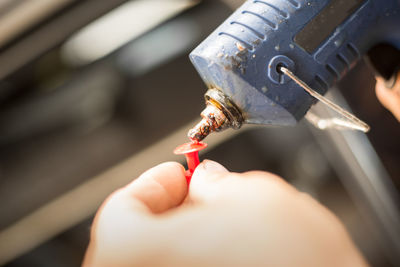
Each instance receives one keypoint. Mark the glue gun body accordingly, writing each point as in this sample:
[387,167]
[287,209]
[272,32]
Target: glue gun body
[319,40]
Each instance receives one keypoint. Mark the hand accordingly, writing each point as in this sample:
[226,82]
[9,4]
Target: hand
[226,219]
[389,98]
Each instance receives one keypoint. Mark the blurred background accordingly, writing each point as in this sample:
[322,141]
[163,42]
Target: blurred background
[92,93]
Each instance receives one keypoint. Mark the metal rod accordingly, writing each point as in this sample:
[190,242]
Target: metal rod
[358,124]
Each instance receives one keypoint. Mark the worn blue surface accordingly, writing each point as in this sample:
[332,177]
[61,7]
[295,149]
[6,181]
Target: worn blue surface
[236,56]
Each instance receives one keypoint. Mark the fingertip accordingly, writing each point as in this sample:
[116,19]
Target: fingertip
[383,94]
[173,178]
[208,170]
[380,83]
[378,79]
[171,168]
[161,187]
[206,181]
[211,166]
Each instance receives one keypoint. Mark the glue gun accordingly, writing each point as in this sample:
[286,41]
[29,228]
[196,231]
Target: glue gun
[317,41]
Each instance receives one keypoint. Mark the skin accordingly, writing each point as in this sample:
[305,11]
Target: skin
[225,219]
[389,98]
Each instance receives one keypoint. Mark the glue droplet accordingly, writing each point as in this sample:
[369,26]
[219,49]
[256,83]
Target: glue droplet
[189,148]
[191,152]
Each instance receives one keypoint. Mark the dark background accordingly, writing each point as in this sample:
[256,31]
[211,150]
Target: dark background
[61,125]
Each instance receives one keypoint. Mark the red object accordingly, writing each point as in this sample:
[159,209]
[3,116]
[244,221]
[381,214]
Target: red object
[191,152]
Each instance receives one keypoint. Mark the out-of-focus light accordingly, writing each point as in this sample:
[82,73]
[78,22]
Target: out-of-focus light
[108,33]
[158,46]
[18,16]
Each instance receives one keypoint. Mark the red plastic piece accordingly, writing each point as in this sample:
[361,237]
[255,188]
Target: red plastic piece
[191,152]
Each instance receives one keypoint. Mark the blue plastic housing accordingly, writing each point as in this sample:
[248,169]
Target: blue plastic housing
[240,57]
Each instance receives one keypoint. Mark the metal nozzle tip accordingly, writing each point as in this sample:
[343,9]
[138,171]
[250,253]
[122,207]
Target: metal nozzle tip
[200,131]
[219,114]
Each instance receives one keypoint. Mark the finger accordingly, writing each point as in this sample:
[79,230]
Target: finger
[125,213]
[160,188]
[389,98]
[206,181]
[212,182]
[383,94]
[122,224]
[208,172]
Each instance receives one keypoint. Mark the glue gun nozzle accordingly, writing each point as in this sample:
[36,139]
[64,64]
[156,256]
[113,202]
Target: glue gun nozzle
[213,120]
[219,114]
[200,131]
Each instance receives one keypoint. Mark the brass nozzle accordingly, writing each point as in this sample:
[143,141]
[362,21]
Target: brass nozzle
[220,113]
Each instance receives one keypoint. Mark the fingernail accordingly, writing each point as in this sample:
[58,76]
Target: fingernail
[213,166]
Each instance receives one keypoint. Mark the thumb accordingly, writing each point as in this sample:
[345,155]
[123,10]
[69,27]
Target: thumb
[206,181]
[208,172]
